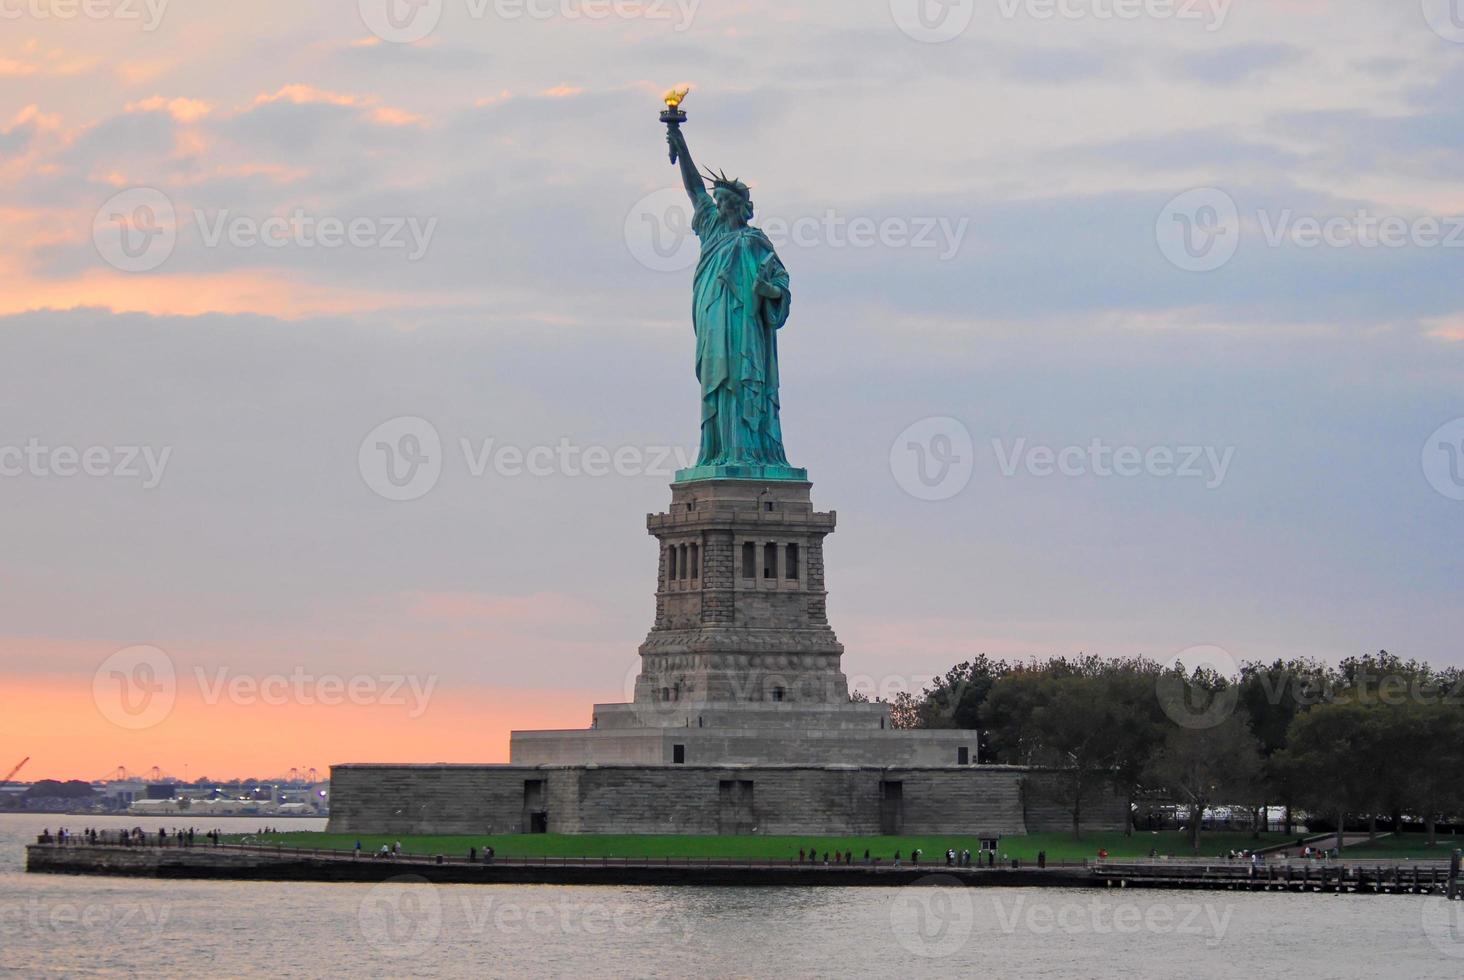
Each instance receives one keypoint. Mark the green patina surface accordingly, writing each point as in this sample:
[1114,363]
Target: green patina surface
[740,300]
[762,473]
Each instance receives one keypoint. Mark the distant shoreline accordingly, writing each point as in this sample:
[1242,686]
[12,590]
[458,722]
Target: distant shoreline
[129,816]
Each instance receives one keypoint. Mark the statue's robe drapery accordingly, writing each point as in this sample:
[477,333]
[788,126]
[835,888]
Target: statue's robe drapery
[737,342]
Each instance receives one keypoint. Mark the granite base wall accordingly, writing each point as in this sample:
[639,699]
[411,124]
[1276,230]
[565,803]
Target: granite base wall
[778,800]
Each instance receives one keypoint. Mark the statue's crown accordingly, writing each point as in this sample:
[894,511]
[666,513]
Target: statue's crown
[722,182]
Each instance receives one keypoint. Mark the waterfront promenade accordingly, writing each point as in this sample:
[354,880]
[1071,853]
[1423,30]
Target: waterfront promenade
[168,858]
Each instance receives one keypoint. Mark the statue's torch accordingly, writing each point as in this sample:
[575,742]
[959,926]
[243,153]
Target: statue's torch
[673,117]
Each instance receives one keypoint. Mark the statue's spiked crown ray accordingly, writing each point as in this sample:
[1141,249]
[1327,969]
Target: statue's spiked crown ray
[721,181]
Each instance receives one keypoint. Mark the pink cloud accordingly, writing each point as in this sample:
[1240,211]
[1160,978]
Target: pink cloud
[299,94]
[181,109]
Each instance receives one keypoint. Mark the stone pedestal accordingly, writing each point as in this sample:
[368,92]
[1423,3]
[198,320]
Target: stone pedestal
[741,666]
[741,604]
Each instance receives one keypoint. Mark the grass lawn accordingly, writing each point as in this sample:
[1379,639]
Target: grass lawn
[1059,847]
[1414,846]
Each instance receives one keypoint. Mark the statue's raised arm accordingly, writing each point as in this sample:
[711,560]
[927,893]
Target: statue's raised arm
[696,189]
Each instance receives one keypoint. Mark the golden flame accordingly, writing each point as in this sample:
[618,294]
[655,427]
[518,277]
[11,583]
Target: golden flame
[676,96]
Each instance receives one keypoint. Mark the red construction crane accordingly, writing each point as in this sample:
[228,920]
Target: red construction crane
[11,774]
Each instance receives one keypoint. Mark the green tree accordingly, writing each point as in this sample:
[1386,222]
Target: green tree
[1272,695]
[1329,760]
[1008,714]
[1073,729]
[955,700]
[905,711]
[1139,724]
[1426,743]
[1203,766]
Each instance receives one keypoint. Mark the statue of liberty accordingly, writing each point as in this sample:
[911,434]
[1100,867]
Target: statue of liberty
[741,301]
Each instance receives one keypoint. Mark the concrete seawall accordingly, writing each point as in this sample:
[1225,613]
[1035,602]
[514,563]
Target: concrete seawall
[283,864]
[286,865]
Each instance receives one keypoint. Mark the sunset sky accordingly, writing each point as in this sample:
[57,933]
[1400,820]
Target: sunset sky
[1019,175]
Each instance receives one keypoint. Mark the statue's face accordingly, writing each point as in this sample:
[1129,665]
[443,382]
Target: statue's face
[730,206]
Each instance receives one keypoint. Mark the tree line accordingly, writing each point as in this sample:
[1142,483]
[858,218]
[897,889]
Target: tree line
[1373,737]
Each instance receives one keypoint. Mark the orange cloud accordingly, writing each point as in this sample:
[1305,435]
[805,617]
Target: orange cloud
[1445,328]
[33,113]
[54,63]
[299,94]
[181,109]
[307,94]
[138,72]
[388,116]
